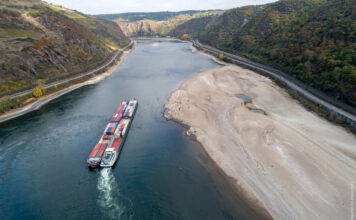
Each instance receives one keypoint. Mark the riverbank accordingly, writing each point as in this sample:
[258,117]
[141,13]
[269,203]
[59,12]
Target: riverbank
[38,103]
[289,161]
[312,99]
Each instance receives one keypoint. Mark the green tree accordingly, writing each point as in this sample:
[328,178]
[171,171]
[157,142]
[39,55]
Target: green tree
[5,103]
[5,66]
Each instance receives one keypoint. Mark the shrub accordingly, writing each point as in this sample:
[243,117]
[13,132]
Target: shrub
[221,56]
[186,37]
[37,92]
[26,48]
[5,66]
[40,85]
[44,42]
[13,13]
[15,32]
[6,104]
[227,60]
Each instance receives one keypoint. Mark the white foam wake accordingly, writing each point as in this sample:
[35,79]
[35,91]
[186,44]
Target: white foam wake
[110,201]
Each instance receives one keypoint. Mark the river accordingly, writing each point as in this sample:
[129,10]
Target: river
[161,173]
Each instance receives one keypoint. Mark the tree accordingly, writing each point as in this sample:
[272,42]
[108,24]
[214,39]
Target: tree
[5,66]
[40,83]
[221,56]
[186,37]
[5,103]
[37,92]
[40,86]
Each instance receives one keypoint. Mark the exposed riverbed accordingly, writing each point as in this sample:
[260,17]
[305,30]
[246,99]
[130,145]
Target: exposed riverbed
[283,157]
[161,173]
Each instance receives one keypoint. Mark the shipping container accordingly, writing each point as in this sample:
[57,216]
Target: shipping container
[114,136]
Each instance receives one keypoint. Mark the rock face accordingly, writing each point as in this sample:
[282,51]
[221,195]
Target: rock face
[290,161]
[156,23]
[138,28]
[46,41]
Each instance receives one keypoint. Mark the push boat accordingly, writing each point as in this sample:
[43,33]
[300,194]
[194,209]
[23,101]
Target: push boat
[107,150]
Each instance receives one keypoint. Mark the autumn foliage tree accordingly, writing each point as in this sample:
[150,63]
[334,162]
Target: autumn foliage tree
[312,40]
[186,37]
[37,93]
[39,90]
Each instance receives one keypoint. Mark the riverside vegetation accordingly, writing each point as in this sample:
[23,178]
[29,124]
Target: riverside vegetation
[7,104]
[312,40]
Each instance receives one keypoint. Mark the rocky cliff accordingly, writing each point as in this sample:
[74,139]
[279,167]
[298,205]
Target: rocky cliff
[43,41]
[139,28]
[155,23]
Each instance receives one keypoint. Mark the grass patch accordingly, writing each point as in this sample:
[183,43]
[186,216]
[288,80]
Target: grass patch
[74,15]
[87,22]
[56,7]
[12,85]
[35,14]
[111,44]
[6,104]
[67,13]
[12,32]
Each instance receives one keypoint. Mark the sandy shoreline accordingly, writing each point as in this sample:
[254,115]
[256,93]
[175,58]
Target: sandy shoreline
[291,162]
[46,99]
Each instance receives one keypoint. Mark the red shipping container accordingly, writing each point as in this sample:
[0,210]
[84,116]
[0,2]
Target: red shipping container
[102,150]
[95,150]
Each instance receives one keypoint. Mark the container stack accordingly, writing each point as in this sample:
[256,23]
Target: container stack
[106,137]
[119,112]
[111,142]
[130,109]
[124,123]
[110,129]
[116,117]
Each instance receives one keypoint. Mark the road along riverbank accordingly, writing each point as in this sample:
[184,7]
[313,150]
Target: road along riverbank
[284,158]
[51,145]
[324,105]
[45,99]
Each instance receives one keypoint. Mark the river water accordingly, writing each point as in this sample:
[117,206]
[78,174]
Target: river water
[161,173]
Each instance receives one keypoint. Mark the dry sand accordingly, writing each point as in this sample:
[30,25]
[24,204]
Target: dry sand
[290,161]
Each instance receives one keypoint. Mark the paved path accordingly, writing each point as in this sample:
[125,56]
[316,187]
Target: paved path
[44,100]
[106,64]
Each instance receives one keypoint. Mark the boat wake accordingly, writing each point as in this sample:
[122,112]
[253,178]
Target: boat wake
[112,204]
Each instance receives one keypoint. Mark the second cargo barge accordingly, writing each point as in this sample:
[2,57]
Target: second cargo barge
[107,151]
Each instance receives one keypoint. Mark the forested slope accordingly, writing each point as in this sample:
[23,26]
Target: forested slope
[313,40]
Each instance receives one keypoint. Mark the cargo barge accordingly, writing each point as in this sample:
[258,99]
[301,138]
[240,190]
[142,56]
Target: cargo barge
[107,150]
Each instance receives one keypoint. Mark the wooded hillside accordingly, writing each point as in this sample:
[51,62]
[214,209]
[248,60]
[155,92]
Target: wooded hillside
[313,40]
